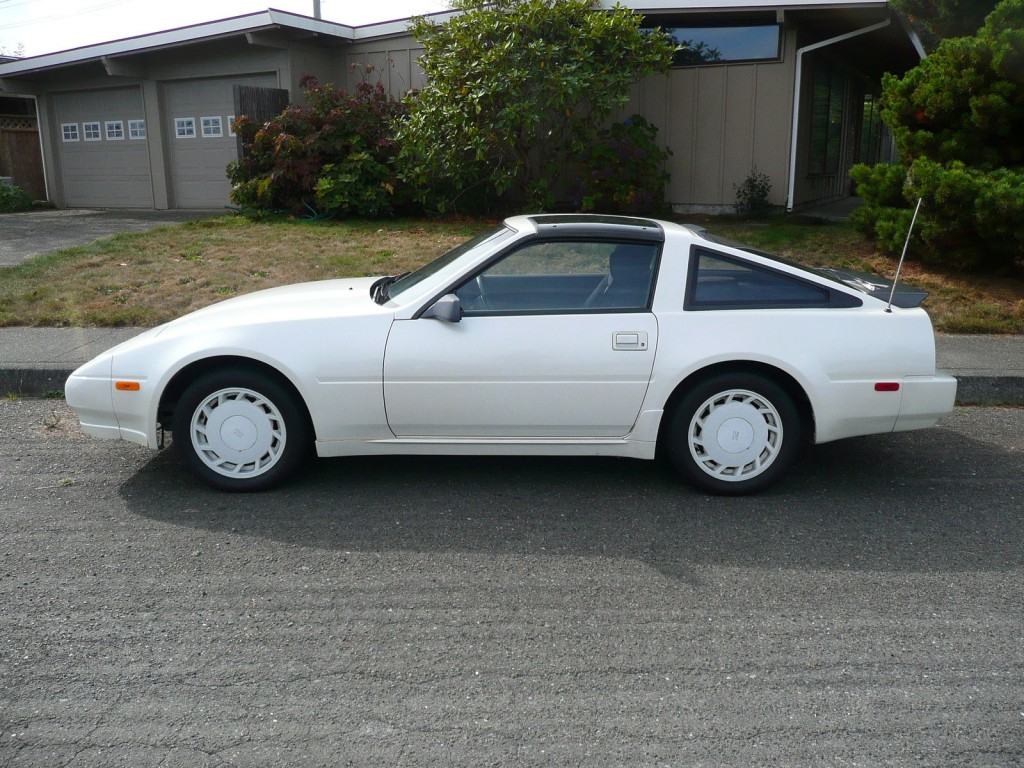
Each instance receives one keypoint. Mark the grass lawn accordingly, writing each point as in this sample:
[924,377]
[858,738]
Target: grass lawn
[151,277]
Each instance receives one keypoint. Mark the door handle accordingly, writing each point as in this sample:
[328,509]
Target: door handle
[635,341]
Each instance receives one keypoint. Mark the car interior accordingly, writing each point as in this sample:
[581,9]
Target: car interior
[564,276]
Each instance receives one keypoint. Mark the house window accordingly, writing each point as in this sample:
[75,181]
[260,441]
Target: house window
[212,127]
[115,130]
[91,131]
[718,45]
[136,129]
[828,95]
[185,127]
[231,125]
[69,131]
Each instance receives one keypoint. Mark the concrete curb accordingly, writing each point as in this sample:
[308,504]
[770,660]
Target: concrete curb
[990,390]
[971,390]
[33,382]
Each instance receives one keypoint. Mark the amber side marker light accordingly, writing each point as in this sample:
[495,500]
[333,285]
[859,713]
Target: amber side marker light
[127,386]
[887,386]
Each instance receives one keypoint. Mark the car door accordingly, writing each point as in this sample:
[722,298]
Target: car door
[557,340]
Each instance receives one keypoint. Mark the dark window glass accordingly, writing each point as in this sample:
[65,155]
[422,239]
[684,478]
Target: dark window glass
[564,276]
[723,282]
[413,278]
[870,150]
[712,45]
[827,99]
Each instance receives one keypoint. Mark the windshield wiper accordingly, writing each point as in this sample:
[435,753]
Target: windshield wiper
[379,290]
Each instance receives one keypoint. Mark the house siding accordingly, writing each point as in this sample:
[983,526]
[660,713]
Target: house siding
[394,63]
[708,116]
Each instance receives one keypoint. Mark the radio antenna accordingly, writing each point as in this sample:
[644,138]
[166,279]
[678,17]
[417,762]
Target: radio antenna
[903,255]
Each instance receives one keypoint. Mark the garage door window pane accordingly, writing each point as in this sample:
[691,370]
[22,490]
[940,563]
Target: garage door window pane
[724,283]
[69,131]
[185,127]
[136,129]
[565,276]
[115,130]
[212,127]
[91,131]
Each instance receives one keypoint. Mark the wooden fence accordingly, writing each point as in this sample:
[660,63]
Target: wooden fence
[20,156]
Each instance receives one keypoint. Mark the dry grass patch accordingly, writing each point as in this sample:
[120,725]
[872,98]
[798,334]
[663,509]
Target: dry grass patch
[151,277]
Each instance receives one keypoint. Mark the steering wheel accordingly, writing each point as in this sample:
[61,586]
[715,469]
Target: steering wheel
[599,291]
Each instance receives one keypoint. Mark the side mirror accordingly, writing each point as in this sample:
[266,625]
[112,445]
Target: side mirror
[448,309]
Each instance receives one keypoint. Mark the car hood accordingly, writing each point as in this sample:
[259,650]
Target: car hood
[302,301]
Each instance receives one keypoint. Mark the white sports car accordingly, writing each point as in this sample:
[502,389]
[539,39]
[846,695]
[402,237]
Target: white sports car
[552,335]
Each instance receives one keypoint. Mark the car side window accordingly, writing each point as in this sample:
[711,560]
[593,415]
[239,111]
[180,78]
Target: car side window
[564,276]
[717,281]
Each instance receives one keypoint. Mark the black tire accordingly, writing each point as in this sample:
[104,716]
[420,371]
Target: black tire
[782,453]
[282,457]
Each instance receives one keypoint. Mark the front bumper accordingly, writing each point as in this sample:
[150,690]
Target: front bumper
[925,400]
[102,410]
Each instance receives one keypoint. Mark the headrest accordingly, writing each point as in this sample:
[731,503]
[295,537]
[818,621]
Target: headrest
[631,263]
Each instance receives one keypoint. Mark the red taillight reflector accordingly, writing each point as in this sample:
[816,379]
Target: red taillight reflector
[127,386]
[887,386]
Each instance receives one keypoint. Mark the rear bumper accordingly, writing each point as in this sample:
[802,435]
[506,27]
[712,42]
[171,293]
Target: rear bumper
[926,399]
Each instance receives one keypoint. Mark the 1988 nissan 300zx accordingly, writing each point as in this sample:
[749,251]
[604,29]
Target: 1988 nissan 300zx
[553,335]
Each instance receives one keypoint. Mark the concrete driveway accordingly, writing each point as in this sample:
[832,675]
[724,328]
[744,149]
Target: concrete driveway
[24,235]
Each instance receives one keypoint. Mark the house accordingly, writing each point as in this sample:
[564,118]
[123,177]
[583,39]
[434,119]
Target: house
[787,88]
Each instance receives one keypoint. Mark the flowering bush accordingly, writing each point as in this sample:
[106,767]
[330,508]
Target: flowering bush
[300,160]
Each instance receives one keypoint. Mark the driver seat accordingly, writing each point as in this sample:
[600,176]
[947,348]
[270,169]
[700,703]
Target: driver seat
[628,282]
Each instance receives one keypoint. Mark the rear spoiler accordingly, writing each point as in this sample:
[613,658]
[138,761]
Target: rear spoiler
[905,297]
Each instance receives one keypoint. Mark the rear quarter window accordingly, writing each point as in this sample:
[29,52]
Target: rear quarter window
[718,281]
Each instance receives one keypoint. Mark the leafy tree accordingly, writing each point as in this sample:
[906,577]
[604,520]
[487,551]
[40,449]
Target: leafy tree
[516,89]
[957,119]
[939,19]
[622,171]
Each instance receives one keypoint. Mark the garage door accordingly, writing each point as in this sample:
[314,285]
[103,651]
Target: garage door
[104,153]
[199,145]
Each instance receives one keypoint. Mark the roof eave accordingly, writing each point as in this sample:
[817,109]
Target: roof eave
[172,38]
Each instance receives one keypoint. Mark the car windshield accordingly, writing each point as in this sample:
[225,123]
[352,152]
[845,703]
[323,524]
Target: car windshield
[413,278]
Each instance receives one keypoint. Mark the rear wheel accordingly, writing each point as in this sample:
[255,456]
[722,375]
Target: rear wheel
[240,430]
[735,433]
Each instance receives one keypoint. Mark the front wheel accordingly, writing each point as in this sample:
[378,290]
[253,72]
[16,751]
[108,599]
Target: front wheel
[240,430]
[734,434]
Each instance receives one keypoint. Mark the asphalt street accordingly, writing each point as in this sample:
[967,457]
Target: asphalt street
[869,611]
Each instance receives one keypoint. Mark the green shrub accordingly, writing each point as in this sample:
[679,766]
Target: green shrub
[516,92]
[13,198]
[359,185]
[752,194]
[939,19]
[957,120]
[622,171]
[297,161]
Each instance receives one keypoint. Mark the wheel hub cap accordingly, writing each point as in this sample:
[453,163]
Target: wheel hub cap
[735,435]
[237,432]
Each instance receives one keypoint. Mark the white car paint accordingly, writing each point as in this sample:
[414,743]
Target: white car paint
[380,379]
